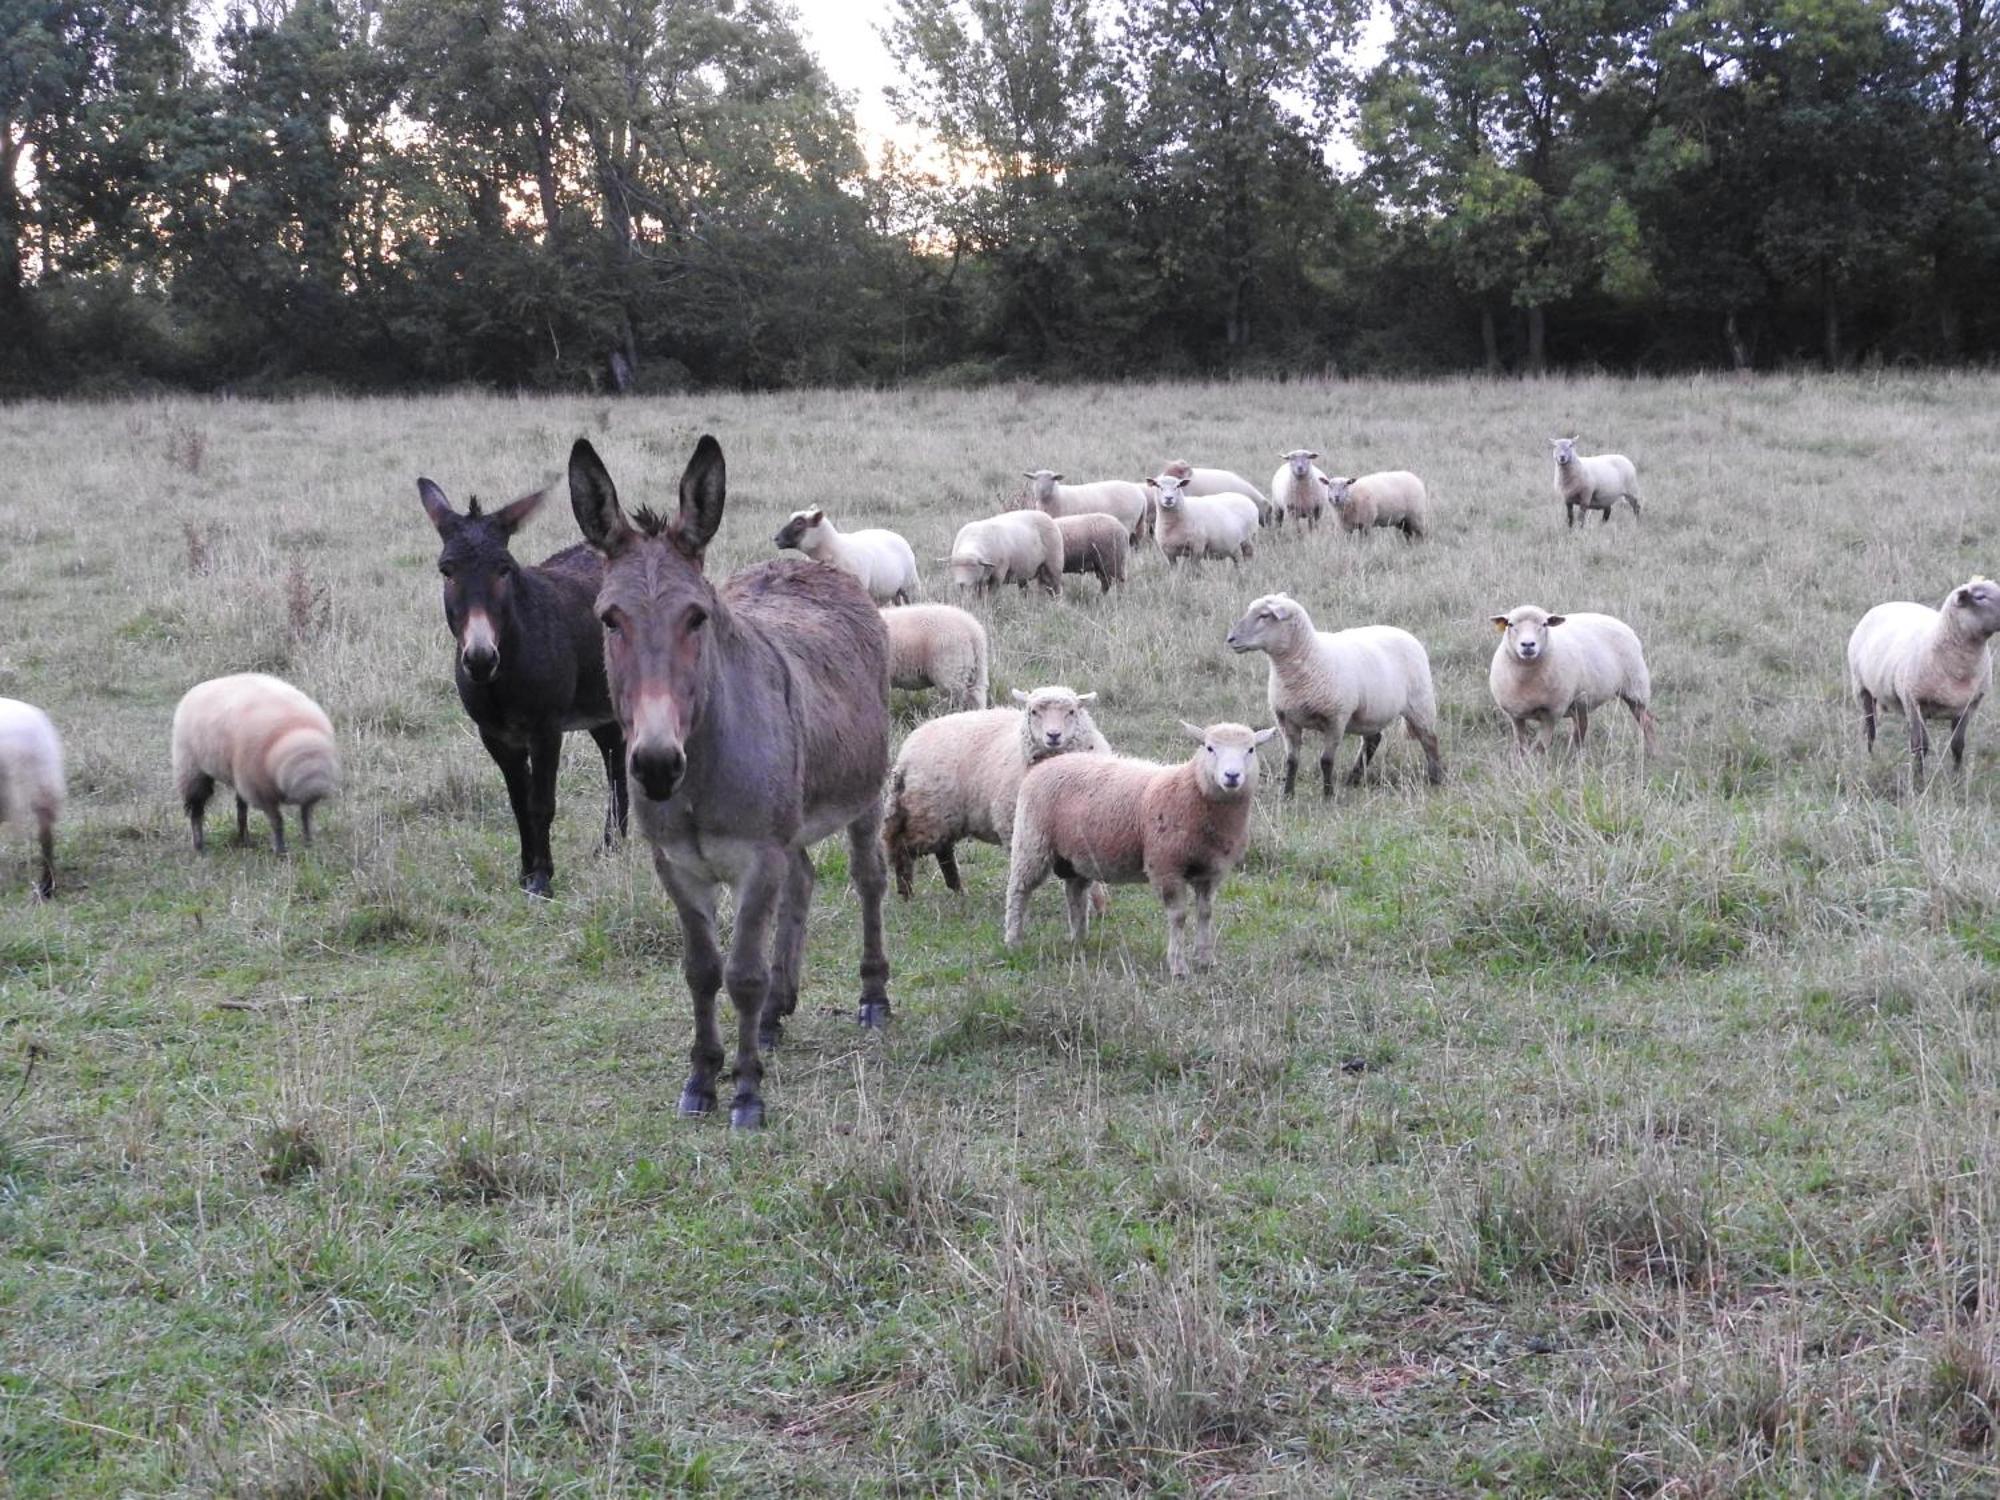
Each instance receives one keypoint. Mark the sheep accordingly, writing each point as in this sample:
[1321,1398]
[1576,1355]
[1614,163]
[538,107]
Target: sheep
[1926,663]
[31,780]
[1095,544]
[1537,678]
[1112,497]
[936,645]
[955,777]
[1202,526]
[1299,488]
[1393,497]
[268,740]
[880,561]
[1224,482]
[1121,821]
[1588,483]
[1338,683]
[1013,547]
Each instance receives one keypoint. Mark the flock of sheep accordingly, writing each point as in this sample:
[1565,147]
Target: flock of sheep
[1038,778]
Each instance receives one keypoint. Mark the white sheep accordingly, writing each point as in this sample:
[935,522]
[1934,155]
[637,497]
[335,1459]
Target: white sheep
[1224,482]
[1015,546]
[1105,818]
[1299,488]
[938,646]
[1538,678]
[1593,482]
[955,777]
[880,561]
[1337,683]
[1112,497]
[1391,498]
[1926,663]
[31,780]
[1095,544]
[1204,525]
[268,740]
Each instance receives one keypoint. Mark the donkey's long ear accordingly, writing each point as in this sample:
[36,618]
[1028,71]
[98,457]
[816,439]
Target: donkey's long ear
[513,517]
[702,487]
[595,500]
[436,506]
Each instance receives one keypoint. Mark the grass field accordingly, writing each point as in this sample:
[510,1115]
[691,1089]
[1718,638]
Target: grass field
[1575,1128]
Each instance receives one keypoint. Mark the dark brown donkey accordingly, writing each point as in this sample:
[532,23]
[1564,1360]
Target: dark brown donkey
[529,665]
[756,721]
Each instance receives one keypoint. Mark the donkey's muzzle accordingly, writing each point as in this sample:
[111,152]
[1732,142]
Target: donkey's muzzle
[659,769]
[481,665]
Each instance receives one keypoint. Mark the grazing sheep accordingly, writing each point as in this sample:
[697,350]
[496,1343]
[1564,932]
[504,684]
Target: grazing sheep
[1112,497]
[1202,526]
[1339,683]
[1095,544]
[1394,497]
[1224,482]
[1299,488]
[938,646]
[1106,818]
[1587,483]
[880,561]
[268,740]
[31,780]
[1927,663]
[1538,678]
[955,777]
[1013,547]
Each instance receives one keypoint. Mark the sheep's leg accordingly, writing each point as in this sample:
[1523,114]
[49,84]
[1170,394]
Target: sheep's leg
[242,821]
[1545,733]
[1174,897]
[1957,736]
[1867,700]
[1643,717]
[905,864]
[1076,897]
[306,824]
[1292,737]
[1247,553]
[1607,513]
[869,875]
[1522,737]
[788,950]
[701,967]
[1579,721]
[276,814]
[1433,761]
[1370,743]
[947,862]
[1569,511]
[1204,926]
[1027,867]
[1631,500]
[1920,737]
[195,801]
[46,829]
[1326,767]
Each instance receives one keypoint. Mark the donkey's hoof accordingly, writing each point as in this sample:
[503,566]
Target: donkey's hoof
[768,1037]
[746,1114]
[696,1102]
[536,883]
[874,1014]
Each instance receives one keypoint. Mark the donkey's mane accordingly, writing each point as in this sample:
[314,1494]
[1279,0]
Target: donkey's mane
[472,509]
[649,521]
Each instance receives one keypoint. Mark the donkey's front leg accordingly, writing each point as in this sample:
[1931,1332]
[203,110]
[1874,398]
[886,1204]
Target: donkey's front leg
[748,976]
[701,966]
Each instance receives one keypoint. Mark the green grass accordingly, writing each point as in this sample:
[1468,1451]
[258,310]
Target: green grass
[1575,1128]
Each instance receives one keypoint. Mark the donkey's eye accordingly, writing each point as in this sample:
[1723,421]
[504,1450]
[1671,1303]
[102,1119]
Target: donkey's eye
[697,617]
[445,569]
[610,620]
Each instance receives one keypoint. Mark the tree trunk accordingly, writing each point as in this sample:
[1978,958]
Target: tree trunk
[545,174]
[1830,321]
[1538,340]
[1739,350]
[1489,339]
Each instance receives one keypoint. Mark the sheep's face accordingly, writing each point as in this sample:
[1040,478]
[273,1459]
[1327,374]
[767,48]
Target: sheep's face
[1336,491]
[1301,461]
[1227,762]
[970,572]
[1052,719]
[801,531]
[1042,484]
[478,573]
[1526,632]
[1170,490]
[1977,606]
[1268,620]
[1565,451]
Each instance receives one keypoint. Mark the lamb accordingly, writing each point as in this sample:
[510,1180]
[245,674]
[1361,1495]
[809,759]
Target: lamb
[268,740]
[1588,483]
[1224,482]
[1537,678]
[956,776]
[1202,526]
[1013,547]
[1121,821]
[935,645]
[1393,497]
[1095,544]
[31,780]
[880,561]
[1112,497]
[1299,488]
[1926,663]
[1337,683]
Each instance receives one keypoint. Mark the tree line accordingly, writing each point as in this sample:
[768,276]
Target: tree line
[392,194]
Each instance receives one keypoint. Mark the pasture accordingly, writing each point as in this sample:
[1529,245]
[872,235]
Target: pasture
[1572,1128]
